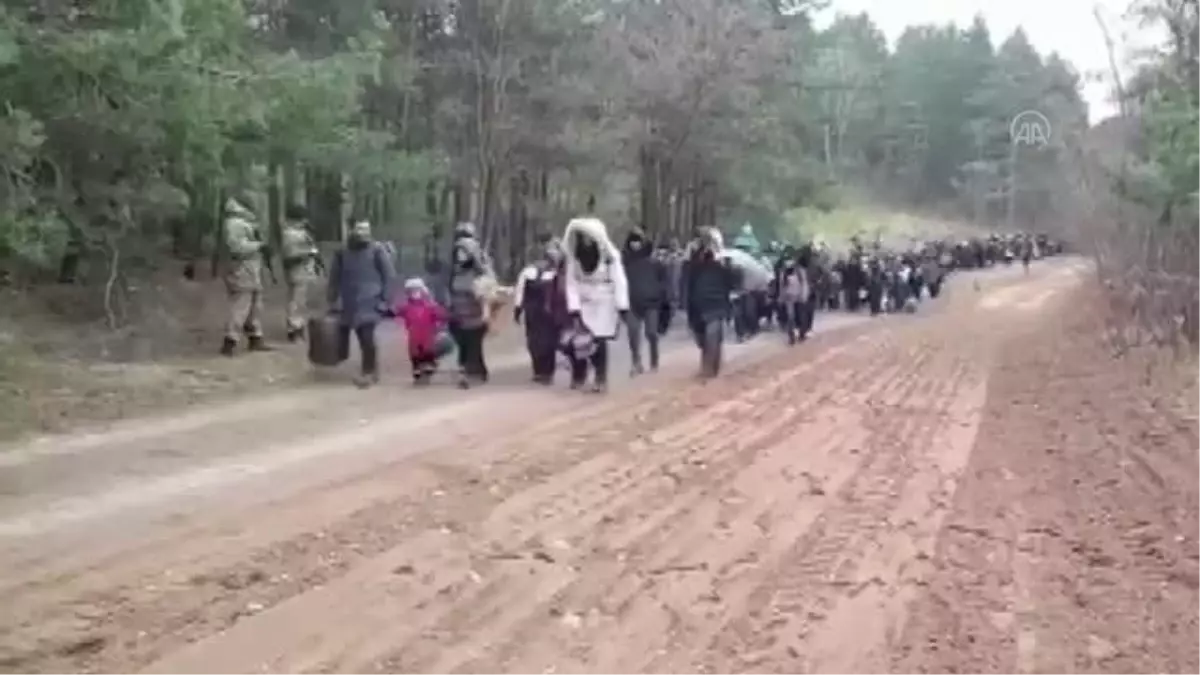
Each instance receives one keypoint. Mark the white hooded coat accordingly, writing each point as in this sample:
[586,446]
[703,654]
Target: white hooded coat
[600,296]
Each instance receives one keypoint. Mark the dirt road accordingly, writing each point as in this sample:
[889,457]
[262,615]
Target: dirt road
[803,513]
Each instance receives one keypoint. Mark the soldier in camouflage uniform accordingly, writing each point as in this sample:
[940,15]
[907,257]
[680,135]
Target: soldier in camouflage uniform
[243,277]
[299,268]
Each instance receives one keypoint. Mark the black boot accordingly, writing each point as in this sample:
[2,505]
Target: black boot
[257,344]
[295,335]
[228,347]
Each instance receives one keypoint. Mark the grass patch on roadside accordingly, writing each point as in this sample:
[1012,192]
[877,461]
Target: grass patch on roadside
[17,370]
[40,394]
[837,226]
[48,389]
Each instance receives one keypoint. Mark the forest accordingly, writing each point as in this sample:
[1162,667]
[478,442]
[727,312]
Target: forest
[126,122]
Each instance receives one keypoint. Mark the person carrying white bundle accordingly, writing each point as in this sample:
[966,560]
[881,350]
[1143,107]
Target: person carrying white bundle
[597,297]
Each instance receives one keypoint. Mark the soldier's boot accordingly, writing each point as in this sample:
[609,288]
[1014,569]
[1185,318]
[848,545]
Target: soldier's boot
[228,347]
[257,344]
[295,335]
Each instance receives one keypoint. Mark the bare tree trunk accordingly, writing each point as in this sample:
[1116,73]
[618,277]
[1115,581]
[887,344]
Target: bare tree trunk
[708,197]
[518,220]
[541,204]
[217,225]
[650,216]
[828,151]
[487,207]
[663,189]
[274,204]
[462,202]
[1011,209]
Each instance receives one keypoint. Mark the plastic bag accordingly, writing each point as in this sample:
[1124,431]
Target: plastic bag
[577,343]
[443,345]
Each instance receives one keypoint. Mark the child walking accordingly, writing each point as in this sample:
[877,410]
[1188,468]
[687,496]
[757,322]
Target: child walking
[423,319]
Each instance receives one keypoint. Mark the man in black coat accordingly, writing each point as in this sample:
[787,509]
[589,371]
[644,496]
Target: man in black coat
[647,277]
[708,279]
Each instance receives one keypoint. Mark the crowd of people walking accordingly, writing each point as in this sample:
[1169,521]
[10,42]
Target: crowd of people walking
[581,291]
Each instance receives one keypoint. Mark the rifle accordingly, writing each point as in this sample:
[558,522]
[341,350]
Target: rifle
[265,252]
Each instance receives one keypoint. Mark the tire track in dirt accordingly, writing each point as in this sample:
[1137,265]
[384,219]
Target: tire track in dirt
[667,605]
[822,561]
[987,550]
[190,544]
[1063,553]
[655,603]
[362,526]
[193,544]
[672,530]
[860,626]
[123,622]
[793,618]
[456,578]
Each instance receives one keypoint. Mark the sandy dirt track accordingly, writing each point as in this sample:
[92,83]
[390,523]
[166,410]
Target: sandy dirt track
[816,509]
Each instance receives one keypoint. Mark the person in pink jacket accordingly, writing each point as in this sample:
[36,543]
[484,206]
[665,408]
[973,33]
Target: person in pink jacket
[424,320]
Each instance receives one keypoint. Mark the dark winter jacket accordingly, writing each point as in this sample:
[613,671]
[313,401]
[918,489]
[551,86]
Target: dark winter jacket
[646,274]
[541,299]
[360,283]
[707,283]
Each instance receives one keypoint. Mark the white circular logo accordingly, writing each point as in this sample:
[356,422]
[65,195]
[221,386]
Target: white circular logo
[1030,127]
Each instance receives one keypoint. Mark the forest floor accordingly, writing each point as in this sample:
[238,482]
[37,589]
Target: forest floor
[60,372]
[978,487]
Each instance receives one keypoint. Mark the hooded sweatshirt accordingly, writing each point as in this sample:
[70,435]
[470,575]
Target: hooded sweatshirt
[647,273]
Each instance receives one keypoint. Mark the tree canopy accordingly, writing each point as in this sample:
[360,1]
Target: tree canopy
[127,121]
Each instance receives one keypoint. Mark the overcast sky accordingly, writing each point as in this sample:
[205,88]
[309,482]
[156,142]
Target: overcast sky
[1064,26]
